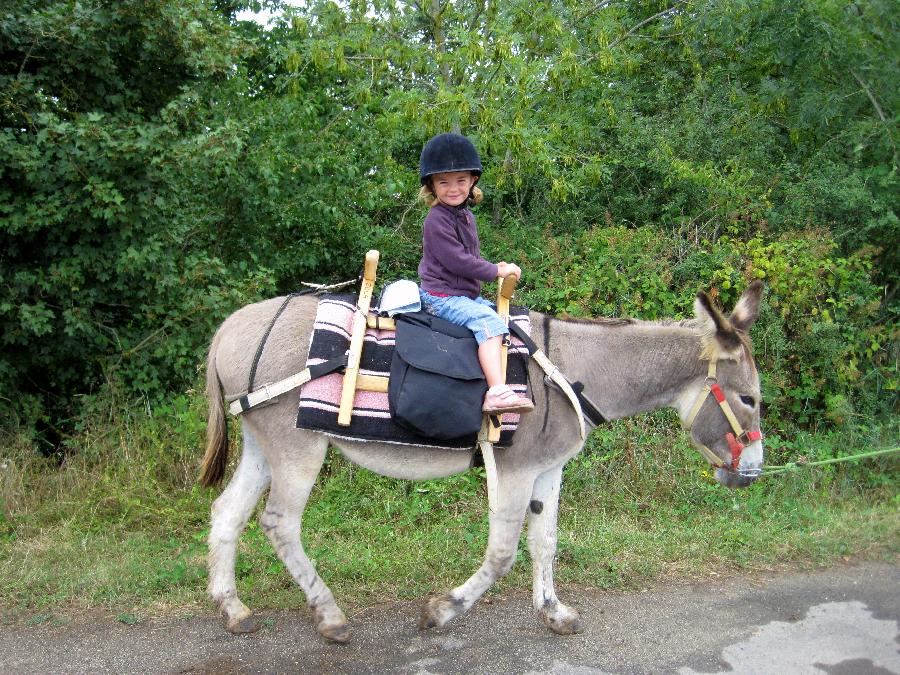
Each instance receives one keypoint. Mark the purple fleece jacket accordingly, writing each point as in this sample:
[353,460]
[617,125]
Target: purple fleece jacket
[451,253]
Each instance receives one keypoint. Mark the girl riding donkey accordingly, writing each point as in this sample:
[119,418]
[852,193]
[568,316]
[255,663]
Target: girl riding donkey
[703,367]
[452,269]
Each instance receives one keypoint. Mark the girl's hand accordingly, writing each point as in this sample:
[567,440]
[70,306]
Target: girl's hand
[505,269]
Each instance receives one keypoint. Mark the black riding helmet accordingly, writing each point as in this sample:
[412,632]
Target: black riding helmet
[446,153]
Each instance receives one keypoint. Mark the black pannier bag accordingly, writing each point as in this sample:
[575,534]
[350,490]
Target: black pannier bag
[437,386]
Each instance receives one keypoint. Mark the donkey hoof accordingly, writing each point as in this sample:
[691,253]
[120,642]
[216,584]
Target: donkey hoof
[571,627]
[249,624]
[339,633]
[438,611]
[426,621]
[563,621]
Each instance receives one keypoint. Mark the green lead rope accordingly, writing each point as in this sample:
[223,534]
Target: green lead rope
[792,466]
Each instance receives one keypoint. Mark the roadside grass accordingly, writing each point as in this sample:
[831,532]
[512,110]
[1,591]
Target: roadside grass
[122,525]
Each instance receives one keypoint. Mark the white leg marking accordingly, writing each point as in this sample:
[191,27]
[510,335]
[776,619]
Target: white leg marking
[542,512]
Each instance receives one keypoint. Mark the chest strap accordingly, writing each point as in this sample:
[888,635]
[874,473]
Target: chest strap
[590,409]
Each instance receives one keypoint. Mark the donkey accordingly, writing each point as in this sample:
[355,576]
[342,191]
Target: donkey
[627,367]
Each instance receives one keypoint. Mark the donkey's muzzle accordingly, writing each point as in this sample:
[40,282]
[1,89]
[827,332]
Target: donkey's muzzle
[737,479]
[751,473]
[751,463]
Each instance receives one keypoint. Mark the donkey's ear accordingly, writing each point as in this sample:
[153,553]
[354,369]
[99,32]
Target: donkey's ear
[720,339]
[747,309]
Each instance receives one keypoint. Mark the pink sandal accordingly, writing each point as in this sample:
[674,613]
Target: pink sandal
[503,399]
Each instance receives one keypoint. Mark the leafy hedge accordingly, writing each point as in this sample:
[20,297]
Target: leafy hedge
[819,342]
[164,163]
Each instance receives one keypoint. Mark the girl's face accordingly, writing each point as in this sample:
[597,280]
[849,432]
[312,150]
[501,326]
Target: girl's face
[453,188]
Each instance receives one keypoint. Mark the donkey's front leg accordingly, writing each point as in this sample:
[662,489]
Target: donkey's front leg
[505,527]
[542,511]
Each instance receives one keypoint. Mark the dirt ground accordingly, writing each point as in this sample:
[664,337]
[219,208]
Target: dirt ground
[841,621]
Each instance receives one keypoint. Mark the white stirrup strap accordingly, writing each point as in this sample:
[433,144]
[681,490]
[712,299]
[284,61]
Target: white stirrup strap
[490,465]
[557,378]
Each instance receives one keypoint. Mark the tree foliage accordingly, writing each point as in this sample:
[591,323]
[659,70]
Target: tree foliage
[105,278]
[164,162]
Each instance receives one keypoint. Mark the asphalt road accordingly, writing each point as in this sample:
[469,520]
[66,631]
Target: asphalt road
[839,621]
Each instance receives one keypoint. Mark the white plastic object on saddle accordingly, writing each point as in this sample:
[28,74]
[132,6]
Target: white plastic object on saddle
[399,297]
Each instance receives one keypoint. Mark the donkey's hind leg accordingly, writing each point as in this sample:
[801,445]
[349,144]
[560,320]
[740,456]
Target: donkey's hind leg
[505,527]
[542,512]
[292,481]
[229,516]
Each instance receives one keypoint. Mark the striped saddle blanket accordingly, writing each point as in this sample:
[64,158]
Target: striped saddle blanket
[371,419]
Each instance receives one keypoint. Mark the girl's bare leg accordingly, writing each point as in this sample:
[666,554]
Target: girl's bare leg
[489,358]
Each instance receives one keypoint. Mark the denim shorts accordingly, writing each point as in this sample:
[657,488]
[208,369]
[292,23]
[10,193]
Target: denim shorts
[477,315]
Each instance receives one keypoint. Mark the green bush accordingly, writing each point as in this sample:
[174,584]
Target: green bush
[829,362]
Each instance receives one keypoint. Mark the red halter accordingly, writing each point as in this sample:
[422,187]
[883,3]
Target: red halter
[736,441]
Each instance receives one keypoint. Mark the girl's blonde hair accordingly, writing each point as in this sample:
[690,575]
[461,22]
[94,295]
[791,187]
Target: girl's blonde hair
[426,194]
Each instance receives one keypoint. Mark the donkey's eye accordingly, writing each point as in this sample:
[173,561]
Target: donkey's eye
[748,400]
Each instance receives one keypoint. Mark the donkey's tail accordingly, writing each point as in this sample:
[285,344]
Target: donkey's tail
[212,469]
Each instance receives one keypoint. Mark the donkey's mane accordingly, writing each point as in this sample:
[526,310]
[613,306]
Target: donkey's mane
[614,322]
[710,348]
